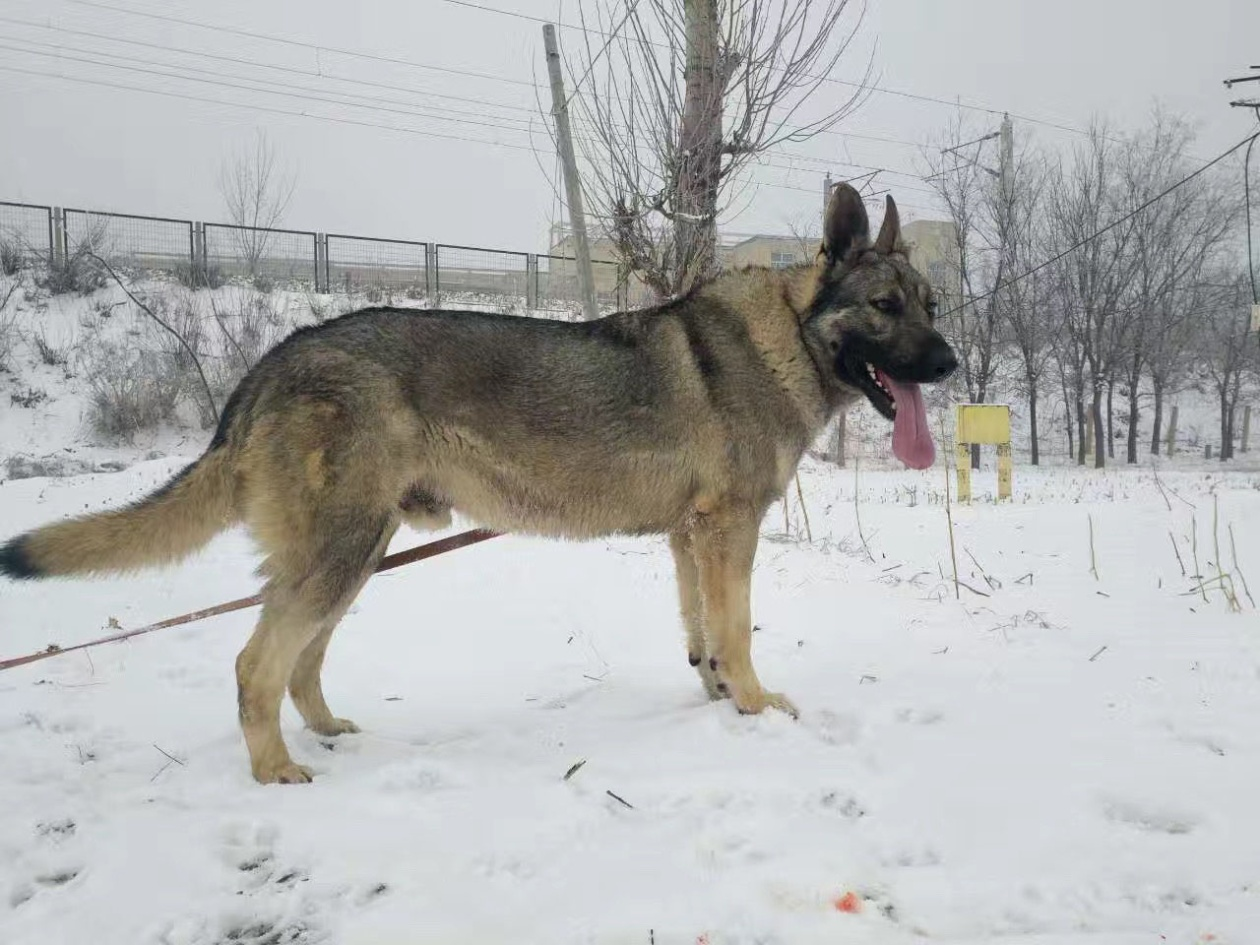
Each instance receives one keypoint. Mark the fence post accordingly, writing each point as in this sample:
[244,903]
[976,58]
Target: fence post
[317,242]
[1172,432]
[623,287]
[199,249]
[531,281]
[59,237]
[433,273]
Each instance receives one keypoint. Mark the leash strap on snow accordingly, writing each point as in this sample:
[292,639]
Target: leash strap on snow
[388,563]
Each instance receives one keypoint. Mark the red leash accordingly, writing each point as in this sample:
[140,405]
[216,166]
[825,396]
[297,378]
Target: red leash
[389,562]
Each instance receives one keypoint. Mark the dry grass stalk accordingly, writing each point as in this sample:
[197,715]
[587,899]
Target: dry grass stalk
[809,532]
[1233,550]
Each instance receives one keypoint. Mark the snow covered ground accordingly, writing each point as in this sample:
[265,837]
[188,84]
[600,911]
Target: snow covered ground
[1052,758]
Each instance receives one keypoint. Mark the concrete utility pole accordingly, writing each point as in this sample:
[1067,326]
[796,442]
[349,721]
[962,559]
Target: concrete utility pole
[572,183]
[1006,165]
[841,426]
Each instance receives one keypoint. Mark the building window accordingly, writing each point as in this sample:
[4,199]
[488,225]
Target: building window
[782,260]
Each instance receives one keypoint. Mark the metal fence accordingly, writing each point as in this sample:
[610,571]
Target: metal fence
[556,279]
[356,263]
[286,257]
[26,231]
[475,271]
[215,253]
[129,241]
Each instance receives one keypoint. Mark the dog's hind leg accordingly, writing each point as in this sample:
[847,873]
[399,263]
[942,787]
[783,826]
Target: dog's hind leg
[725,546]
[688,579]
[308,590]
[304,684]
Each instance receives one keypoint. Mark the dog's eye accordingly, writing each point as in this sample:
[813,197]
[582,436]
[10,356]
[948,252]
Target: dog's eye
[887,306]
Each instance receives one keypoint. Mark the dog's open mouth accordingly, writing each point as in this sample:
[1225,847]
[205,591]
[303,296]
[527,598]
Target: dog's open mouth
[899,401]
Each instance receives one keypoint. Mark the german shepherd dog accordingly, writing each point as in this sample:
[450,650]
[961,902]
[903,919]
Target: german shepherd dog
[685,419]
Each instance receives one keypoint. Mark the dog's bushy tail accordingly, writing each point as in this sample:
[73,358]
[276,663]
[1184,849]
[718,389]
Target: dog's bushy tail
[161,528]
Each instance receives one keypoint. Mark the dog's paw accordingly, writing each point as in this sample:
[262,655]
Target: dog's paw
[286,773]
[758,700]
[335,727]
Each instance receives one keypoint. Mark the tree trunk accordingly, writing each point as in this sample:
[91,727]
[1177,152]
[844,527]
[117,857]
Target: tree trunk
[695,240]
[1132,451]
[1067,411]
[1082,449]
[1100,448]
[975,447]
[1225,437]
[1111,417]
[1032,423]
[1067,416]
[1159,417]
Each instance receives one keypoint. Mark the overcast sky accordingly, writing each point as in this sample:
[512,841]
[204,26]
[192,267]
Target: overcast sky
[105,141]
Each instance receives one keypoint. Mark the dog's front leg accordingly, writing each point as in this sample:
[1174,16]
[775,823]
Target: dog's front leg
[725,546]
[692,607]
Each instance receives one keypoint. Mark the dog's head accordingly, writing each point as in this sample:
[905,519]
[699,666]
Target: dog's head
[871,320]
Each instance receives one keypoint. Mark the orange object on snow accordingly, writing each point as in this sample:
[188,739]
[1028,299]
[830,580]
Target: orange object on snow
[849,902]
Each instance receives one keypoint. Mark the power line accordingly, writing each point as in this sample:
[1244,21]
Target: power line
[381,105]
[263,108]
[884,90]
[374,103]
[259,64]
[390,86]
[1249,141]
[315,47]
[103,83]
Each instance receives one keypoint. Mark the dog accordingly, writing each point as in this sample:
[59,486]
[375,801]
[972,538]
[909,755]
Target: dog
[686,419]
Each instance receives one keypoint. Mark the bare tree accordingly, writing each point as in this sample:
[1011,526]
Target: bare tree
[256,196]
[1227,357]
[992,215]
[1091,278]
[1172,242]
[689,93]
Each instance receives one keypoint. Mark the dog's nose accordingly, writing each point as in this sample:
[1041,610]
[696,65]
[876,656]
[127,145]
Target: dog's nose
[942,363]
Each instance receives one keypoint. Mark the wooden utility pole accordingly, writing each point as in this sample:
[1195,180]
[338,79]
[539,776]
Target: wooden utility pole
[572,183]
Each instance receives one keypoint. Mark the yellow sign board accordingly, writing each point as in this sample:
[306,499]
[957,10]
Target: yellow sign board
[987,424]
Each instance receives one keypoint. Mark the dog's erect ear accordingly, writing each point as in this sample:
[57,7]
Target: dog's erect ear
[889,239]
[847,224]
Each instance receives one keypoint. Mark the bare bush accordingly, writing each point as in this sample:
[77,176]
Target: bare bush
[48,352]
[8,321]
[197,275]
[76,271]
[31,397]
[131,390]
[11,258]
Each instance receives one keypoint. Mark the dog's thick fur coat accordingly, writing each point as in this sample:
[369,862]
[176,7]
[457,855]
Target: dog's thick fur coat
[686,419]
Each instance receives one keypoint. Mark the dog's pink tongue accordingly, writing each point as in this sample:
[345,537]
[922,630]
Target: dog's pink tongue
[912,438]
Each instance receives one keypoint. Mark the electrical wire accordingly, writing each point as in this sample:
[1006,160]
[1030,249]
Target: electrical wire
[390,86]
[1250,140]
[883,90]
[263,108]
[315,47]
